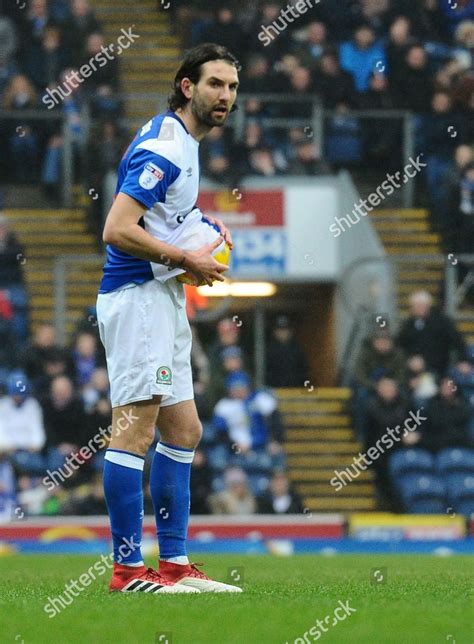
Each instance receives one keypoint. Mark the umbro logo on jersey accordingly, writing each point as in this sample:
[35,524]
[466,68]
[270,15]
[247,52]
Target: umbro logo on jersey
[189,172]
[150,176]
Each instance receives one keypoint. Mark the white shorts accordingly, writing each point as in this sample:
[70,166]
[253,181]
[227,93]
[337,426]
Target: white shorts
[147,340]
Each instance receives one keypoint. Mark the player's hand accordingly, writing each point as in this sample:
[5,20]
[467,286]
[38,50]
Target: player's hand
[222,229]
[204,266]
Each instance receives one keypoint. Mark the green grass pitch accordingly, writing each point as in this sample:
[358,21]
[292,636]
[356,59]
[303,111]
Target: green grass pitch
[419,599]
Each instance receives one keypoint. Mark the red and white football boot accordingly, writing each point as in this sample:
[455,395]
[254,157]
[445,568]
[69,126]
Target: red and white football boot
[129,579]
[188,576]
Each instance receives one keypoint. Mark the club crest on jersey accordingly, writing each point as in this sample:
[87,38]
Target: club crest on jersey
[163,376]
[150,176]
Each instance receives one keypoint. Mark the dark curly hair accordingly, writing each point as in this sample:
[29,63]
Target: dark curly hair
[191,68]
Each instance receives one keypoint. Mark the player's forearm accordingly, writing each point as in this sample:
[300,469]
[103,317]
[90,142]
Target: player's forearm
[137,242]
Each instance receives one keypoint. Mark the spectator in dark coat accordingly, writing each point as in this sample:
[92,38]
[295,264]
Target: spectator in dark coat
[388,408]
[413,87]
[334,85]
[280,498]
[286,362]
[80,25]
[431,334]
[380,359]
[11,256]
[448,419]
[224,30]
[47,59]
[44,351]
[64,421]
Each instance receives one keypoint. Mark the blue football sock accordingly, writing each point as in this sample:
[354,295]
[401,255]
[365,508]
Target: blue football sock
[169,486]
[123,488]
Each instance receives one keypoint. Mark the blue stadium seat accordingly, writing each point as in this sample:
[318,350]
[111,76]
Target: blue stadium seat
[460,488]
[423,493]
[455,460]
[411,461]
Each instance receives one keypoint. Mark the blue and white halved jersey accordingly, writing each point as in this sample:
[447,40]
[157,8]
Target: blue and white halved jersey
[160,169]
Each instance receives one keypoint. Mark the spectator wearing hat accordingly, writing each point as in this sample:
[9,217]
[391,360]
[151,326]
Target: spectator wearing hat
[249,419]
[22,434]
[379,358]
[286,361]
[280,498]
[236,498]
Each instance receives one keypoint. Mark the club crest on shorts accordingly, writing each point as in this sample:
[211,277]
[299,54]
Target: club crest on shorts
[163,376]
[150,176]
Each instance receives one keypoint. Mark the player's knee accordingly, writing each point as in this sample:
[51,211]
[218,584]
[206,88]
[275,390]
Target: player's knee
[195,433]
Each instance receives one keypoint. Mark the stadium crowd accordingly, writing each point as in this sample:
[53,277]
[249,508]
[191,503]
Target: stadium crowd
[55,420]
[347,54]
[426,368]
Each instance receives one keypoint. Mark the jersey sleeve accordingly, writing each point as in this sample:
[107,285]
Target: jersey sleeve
[148,177]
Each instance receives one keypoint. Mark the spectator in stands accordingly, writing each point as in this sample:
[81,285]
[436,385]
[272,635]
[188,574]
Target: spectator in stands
[286,361]
[96,388]
[36,20]
[280,498]
[422,383]
[105,75]
[11,256]
[22,434]
[375,13]
[430,24]
[43,358]
[465,204]
[452,237]
[46,59]
[216,155]
[201,483]
[388,408]
[362,56]
[463,376]
[249,420]
[7,337]
[314,45]
[440,149]
[448,419]
[399,40]
[228,335]
[270,24]
[201,375]
[12,259]
[307,160]
[431,334]
[64,421]
[413,87]
[379,358]
[257,78]
[23,143]
[334,85]
[236,498]
[86,357]
[80,25]
[225,30]
[301,86]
